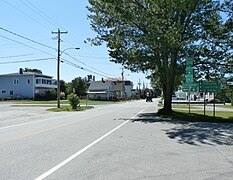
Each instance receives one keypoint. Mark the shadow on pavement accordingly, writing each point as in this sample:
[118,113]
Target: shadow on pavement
[193,133]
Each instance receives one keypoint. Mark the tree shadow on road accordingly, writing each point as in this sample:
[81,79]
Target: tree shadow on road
[193,133]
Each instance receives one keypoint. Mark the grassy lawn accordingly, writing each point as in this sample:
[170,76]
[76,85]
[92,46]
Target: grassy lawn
[68,108]
[196,106]
[224,106]
[82,101]
[198,116]
[183,106]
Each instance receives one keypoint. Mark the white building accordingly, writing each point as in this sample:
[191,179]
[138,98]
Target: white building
[24,84]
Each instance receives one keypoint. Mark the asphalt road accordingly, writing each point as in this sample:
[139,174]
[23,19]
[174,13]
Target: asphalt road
[113,142]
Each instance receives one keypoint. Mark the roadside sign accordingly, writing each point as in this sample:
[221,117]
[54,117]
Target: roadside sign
[190,87]
[189,79]
[209,86]
[189,71]
[189,62]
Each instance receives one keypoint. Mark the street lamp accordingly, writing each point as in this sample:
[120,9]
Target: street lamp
[58,74]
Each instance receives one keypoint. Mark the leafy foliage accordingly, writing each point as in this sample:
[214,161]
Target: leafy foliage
[63,87]
[78,86]
[73,100]
[38,71]
[47,96]
[156,37]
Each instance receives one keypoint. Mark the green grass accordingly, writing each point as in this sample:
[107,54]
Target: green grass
[198,116]
[223,106]
[82,101]
[68,108]
[38,102]
[196,106]
[185,106]
[95,102]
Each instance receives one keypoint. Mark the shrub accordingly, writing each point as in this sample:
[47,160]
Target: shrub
[46,96]
[73,100]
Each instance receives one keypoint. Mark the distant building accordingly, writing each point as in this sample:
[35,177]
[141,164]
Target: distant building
[101,90]
[25,84]
[111,88]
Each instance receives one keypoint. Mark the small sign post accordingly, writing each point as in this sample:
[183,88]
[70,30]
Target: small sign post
[206,86]
[189,78]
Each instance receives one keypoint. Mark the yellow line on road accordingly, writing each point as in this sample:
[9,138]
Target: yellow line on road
[36,132]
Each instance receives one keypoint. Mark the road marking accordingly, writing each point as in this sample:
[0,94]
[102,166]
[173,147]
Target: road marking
[38,132]
[58,166]
[32,122]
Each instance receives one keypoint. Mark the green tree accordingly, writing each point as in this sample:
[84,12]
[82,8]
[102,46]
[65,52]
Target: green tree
[32,70]
[63,87]
[78,86]
[73,100]
[157,35]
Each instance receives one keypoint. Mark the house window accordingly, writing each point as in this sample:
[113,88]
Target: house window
[28,81]
[11,92]
[3,91]
[16,81]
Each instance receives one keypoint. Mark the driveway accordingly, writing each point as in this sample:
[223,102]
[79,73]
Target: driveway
[13,114]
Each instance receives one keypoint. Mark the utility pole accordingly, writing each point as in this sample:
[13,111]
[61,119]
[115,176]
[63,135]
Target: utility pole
[139,85]
[58,63]
[122,79]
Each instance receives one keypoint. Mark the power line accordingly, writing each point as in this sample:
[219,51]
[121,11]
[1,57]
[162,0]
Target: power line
[82,68]
[44,16]
[30,60]
[8,31]
[40,13]
[93,57]
[24,44]
[101,72]
[21,55]
[22,12]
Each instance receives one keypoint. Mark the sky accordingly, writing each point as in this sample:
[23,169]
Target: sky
[26,41]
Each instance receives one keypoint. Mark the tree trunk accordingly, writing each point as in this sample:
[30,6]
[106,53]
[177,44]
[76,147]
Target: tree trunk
[167,108]
[169,81]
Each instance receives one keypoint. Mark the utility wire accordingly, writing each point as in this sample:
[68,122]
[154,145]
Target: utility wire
[22,12]
[30,60]
[21,55]
[8,31]
[40,13]
[87,65]
[31,6]
[24,44]
[73,64]
[85,69]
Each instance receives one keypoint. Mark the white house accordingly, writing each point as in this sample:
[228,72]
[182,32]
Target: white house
[101,90]
[110,88]
[25,84]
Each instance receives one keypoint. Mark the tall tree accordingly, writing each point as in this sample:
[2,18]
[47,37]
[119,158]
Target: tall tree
[78,86]
[63,87]
[157,35]
[38,71]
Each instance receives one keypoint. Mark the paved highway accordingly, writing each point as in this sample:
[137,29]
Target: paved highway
[120,141]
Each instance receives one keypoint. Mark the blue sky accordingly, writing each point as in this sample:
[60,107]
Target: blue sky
[36,19]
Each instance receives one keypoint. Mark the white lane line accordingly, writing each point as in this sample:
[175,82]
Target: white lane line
[55,168]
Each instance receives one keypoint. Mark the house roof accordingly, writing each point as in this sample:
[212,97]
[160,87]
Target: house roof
[116,79]
[26,74]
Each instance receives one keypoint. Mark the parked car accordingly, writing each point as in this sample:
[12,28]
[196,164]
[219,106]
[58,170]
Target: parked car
[148,99]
